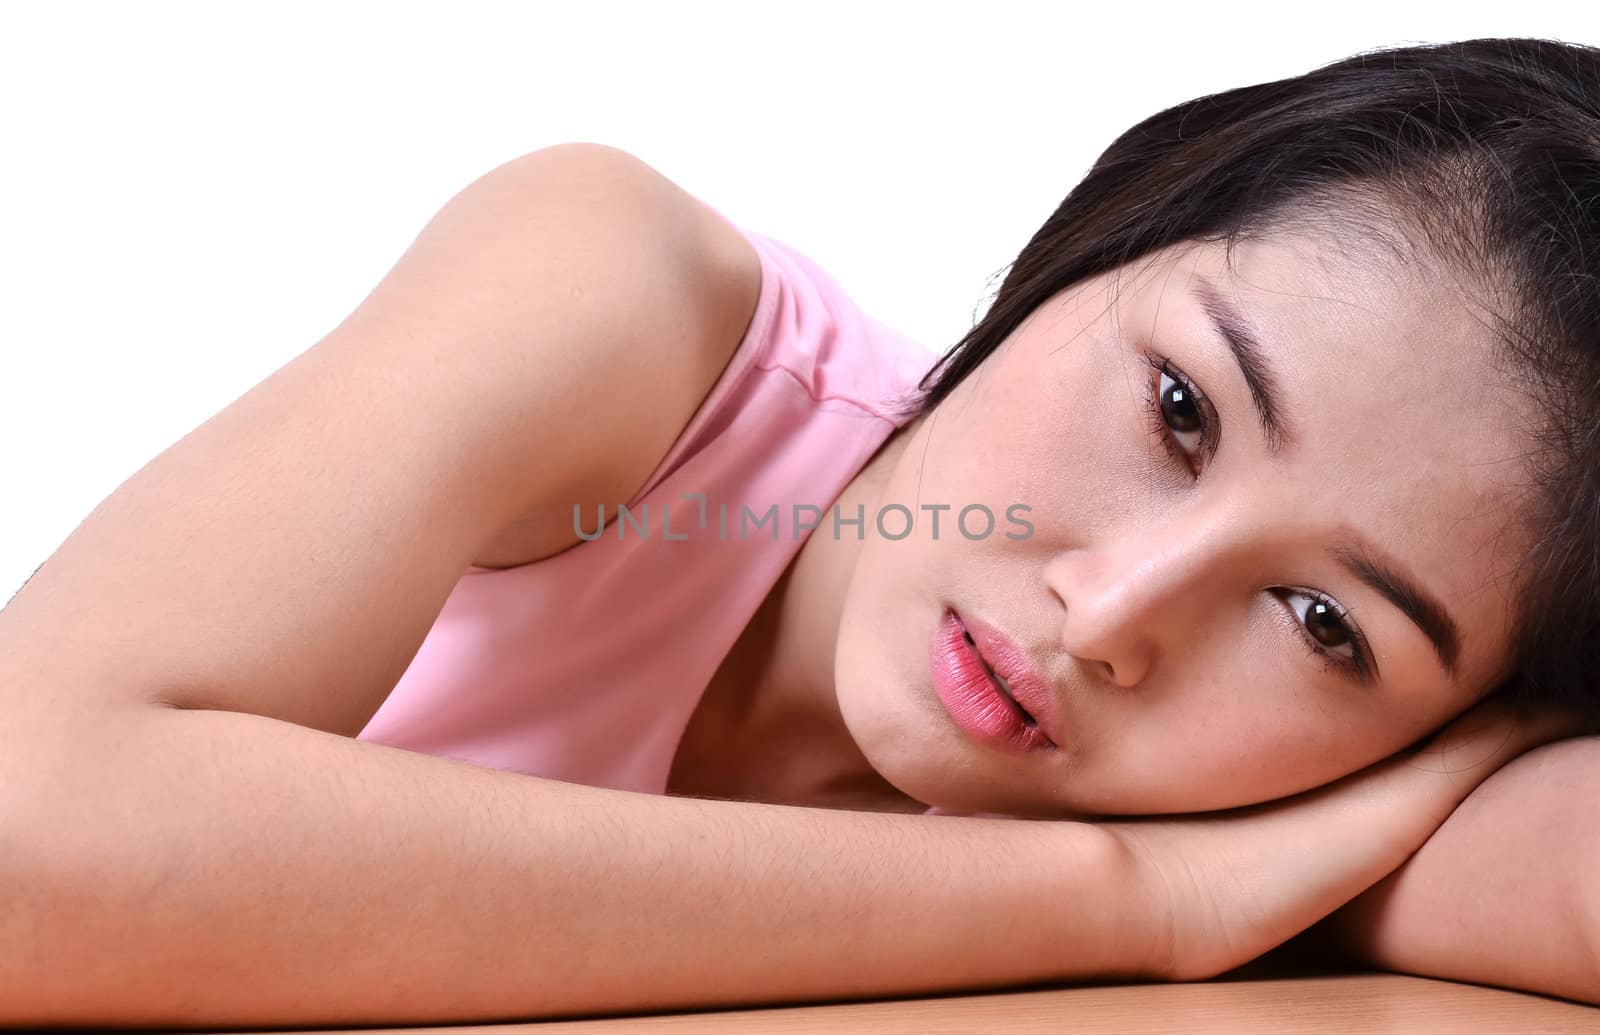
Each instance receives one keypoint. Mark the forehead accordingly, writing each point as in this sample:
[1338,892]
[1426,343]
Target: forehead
[1369,350]
[1403,424]
[1319,303]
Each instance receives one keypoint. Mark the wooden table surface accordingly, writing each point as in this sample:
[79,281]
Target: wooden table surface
[1271,997]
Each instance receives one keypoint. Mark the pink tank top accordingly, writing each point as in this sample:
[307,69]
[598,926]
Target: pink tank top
[586,666]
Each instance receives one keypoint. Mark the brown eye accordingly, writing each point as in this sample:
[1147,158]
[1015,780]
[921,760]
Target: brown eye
[1179,412]
[1178,415]
[1178,406]
[1325,624]
[1329,632]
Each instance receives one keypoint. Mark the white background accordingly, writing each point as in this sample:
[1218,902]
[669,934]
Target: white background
[193,194]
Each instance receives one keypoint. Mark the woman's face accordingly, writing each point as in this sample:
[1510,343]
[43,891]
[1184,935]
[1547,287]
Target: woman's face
[1181,588]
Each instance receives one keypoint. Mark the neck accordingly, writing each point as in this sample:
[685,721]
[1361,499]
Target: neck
[794,746]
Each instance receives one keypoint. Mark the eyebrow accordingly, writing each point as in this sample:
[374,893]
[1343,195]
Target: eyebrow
[1358,556]
[1363,561]
[1244,344]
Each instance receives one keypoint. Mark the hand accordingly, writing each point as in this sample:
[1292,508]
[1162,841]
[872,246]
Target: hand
[1225,887]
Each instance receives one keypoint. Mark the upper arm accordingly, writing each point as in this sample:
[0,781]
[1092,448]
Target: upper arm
[675,293]
[547,331]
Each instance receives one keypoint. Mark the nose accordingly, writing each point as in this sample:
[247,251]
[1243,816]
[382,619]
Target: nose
[1139,594]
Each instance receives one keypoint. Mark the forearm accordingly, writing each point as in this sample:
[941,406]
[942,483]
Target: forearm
[1504,893]
[223,868]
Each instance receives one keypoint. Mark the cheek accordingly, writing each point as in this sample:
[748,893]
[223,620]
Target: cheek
[1199,758]
[1001,435]
[1229,722]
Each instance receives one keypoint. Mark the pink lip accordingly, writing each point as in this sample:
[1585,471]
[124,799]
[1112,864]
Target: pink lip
[1027,686]
[963,682]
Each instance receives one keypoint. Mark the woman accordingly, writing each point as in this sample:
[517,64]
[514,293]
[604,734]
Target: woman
[1269,460]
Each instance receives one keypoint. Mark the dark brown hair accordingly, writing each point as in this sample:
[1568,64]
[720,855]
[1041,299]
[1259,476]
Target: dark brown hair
[1489,151]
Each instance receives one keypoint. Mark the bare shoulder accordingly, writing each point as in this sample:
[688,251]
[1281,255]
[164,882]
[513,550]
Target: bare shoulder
[689,282]
[541,342]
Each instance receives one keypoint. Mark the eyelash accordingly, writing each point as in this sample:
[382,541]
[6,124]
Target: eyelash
[1158,423]
[1358,664]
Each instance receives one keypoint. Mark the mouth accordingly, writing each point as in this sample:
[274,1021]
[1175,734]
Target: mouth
[1015,675]
[999,680]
